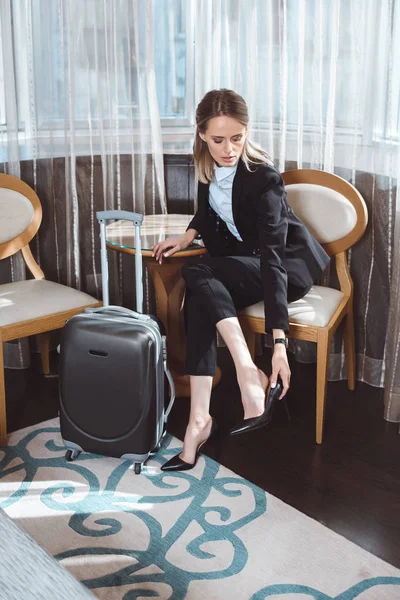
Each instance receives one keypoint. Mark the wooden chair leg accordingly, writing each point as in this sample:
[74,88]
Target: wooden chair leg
[349,348]
[322,370]
[3,417]
[44,343]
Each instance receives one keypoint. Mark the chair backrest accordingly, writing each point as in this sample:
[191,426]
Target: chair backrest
[331,207]
[20,215]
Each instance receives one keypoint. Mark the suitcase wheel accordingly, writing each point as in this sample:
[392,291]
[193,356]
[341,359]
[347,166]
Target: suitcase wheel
[138,468]
[71,455]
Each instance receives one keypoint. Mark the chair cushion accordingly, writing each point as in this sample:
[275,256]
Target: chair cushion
[16,213]
[328,214]
[315,308]
[24,300]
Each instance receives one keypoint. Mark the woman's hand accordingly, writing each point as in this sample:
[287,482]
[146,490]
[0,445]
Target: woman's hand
[280,366]
[173,244]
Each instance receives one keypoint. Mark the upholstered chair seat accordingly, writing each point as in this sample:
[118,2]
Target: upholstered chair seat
[25,300]
[316,308]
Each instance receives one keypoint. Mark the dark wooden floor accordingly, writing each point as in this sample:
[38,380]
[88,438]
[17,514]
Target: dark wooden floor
[351,483]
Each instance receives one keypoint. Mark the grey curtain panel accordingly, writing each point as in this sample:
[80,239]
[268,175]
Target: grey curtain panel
[392,379]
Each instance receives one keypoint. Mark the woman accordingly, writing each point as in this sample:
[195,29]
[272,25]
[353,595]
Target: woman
[257,250]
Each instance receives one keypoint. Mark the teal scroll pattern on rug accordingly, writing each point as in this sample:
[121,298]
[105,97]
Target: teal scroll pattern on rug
[214,523]
[100,500]
[313,594]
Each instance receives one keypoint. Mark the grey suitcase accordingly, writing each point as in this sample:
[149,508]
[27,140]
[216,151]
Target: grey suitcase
[113,373]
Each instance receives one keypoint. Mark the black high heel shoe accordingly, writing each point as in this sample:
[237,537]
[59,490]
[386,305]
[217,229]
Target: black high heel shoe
[176,463]
[272,398]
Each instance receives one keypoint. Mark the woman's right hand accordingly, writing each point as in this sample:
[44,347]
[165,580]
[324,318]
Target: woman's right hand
[171,245]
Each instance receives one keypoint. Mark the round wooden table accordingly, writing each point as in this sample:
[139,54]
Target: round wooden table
[168,284]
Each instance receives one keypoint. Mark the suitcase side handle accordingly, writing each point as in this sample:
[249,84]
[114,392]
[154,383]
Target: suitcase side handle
[172,398]
[111,215]
[170,380]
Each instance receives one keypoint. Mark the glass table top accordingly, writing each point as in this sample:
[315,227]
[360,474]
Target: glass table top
[155,228]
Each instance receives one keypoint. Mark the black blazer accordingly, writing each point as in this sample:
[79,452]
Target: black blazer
[268,227]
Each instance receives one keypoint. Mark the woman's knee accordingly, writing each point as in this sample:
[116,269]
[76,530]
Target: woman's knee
[195,267]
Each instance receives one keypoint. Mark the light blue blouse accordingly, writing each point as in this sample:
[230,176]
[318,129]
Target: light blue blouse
[220,196]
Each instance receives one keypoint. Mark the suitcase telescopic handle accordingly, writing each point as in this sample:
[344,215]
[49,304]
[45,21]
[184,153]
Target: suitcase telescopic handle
[137,219]
[119,215]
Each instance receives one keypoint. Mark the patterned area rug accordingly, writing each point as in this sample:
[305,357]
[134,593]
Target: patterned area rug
[203,534]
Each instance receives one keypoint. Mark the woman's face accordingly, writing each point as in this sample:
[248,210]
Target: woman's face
[225,138]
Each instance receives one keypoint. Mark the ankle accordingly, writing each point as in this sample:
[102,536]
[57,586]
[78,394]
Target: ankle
[246,372]
[198,422]
[253,393]
[251,376]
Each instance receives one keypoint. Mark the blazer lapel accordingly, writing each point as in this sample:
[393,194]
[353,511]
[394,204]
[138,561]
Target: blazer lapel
[202,196]
[238,187]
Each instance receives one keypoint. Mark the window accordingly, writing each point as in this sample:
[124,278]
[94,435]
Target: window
[96,62]
[170,57]
[89,50]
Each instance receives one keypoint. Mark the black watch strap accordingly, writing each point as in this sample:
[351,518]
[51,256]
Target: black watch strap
[283,341]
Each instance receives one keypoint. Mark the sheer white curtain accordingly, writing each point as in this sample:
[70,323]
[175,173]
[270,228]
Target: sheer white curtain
[79,122]
[322,82]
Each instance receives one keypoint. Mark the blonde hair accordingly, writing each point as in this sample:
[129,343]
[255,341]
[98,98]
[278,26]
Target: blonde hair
[226,103]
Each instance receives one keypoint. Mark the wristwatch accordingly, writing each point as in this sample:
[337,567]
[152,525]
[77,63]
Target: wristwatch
[283,341]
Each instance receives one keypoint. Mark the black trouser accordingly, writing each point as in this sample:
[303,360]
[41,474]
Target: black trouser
[216,287]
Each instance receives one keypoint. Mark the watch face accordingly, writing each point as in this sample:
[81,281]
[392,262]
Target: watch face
[283,341]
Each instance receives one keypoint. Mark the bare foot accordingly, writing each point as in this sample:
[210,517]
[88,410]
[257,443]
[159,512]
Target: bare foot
[196,433]
[253,387]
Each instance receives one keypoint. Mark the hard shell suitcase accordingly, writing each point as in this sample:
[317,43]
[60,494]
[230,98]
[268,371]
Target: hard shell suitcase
[113,371]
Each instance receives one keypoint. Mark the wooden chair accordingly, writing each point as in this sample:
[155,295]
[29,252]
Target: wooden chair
[35,306]
[336,214]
